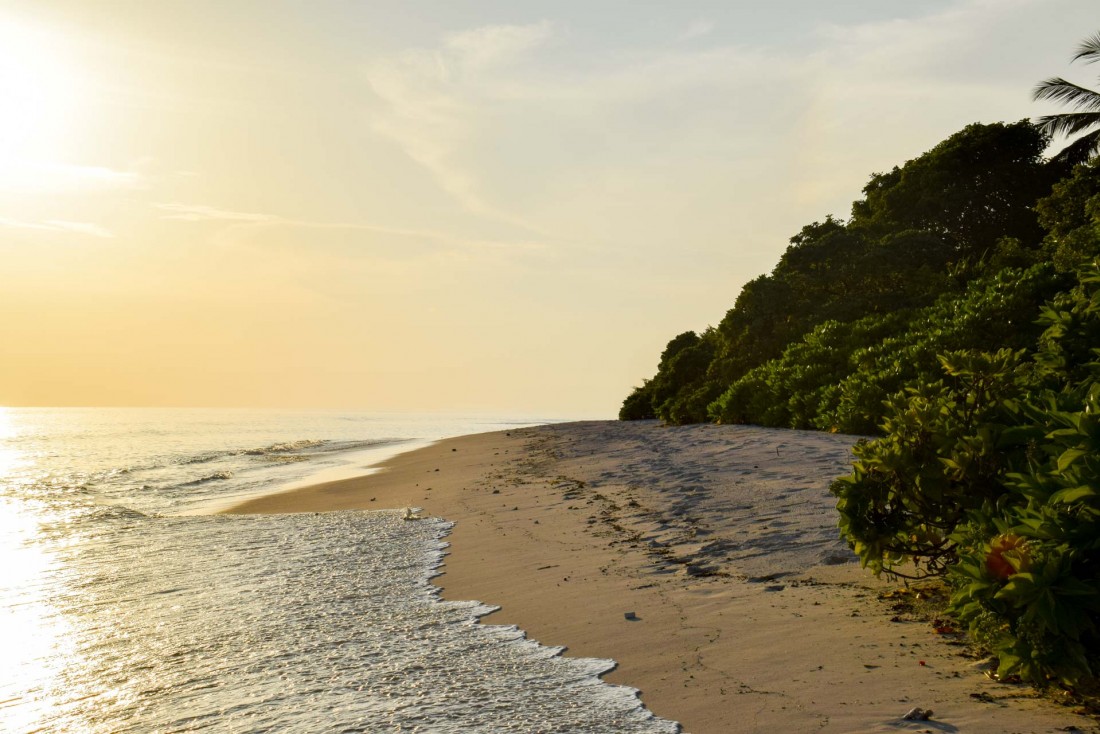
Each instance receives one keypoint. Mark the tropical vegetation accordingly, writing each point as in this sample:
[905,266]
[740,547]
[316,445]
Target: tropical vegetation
[954,321]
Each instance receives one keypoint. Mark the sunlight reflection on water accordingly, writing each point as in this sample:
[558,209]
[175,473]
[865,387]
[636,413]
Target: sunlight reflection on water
[35,638]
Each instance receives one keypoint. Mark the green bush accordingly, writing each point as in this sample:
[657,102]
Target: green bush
[942,458]
[638,405]
[1028,577]
[993,476]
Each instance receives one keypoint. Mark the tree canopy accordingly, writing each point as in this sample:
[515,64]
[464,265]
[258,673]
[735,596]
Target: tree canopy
[922,230]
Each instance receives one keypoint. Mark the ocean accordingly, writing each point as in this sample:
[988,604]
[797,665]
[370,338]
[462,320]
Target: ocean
[126,605]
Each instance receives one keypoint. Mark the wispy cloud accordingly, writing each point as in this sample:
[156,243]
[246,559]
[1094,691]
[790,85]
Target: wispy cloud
[240,223]
[522,134]
[98,176]
[58,225]
[696,29]
[496,44]
[88,228]
[432,100]
[203,213]
[51,177]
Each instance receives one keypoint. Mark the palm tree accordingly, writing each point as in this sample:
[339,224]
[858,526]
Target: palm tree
[1085,102]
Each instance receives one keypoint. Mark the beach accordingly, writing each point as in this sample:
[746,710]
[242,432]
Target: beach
[703,559]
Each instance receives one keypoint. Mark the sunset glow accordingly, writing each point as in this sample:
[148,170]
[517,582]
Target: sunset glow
[512,366]
[482,206]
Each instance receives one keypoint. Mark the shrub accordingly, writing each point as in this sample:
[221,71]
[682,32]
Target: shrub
[942,458]
[993,476]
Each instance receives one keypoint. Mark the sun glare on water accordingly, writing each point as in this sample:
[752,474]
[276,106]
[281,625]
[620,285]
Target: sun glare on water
[34,637]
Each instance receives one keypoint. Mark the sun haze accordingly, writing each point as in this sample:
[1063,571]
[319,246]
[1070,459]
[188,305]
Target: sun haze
[474,205]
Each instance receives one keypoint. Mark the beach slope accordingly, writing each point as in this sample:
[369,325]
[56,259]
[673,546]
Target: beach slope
[704,559]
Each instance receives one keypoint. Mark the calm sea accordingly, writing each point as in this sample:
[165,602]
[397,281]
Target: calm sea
[125,606]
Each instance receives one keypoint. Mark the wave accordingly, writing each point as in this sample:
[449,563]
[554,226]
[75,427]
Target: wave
[223,465]
[205,458]
[215,477]
[115,512]
[282,447]
[285,458]
[311,447]
[286,447]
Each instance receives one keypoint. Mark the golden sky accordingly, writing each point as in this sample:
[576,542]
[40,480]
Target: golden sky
[498,206]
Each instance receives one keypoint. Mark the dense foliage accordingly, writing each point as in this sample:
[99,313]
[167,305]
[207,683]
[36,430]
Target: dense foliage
[992,473]
[961,211]
[955,314]
[838,376]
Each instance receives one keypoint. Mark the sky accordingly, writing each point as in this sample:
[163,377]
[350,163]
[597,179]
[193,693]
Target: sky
[448,205]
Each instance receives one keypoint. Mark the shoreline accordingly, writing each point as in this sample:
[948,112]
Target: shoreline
[749,614]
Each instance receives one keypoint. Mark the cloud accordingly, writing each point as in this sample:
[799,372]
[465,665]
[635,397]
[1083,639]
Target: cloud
[243,225]
[36,177]
[96,176]
[432,100]
[203,213]
[491,45]
[88,228]
[696,29]
[523,134]
[58,225]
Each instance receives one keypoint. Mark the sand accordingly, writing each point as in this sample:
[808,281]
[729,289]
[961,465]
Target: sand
[749,614]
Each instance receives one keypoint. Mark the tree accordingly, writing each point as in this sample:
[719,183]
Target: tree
[638,405]
[1085,102]
[678,393]
[972,189]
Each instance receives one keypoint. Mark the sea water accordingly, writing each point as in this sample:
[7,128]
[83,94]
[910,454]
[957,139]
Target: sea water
[126,607]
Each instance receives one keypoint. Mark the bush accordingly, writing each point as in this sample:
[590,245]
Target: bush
[638,405]
[1028,579]
[993,476]
[943,457]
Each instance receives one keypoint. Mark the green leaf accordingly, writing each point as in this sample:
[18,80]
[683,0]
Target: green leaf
[1072,494]
[1021,588]
[1069,456]
[1008,662]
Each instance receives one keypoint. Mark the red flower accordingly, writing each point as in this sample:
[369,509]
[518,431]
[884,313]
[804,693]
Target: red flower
[1008,555]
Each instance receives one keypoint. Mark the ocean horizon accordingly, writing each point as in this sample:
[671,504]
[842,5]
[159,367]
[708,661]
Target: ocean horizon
[128,606]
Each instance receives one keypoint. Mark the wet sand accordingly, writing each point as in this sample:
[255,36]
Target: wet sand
[704,559]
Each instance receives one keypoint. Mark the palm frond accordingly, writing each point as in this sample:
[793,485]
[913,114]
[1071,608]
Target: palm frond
[1089,50]
[1059,90]
[1068,123]
[1084,102]
[1080,150]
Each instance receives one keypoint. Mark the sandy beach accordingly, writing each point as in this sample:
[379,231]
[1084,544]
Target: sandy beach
[705,560]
